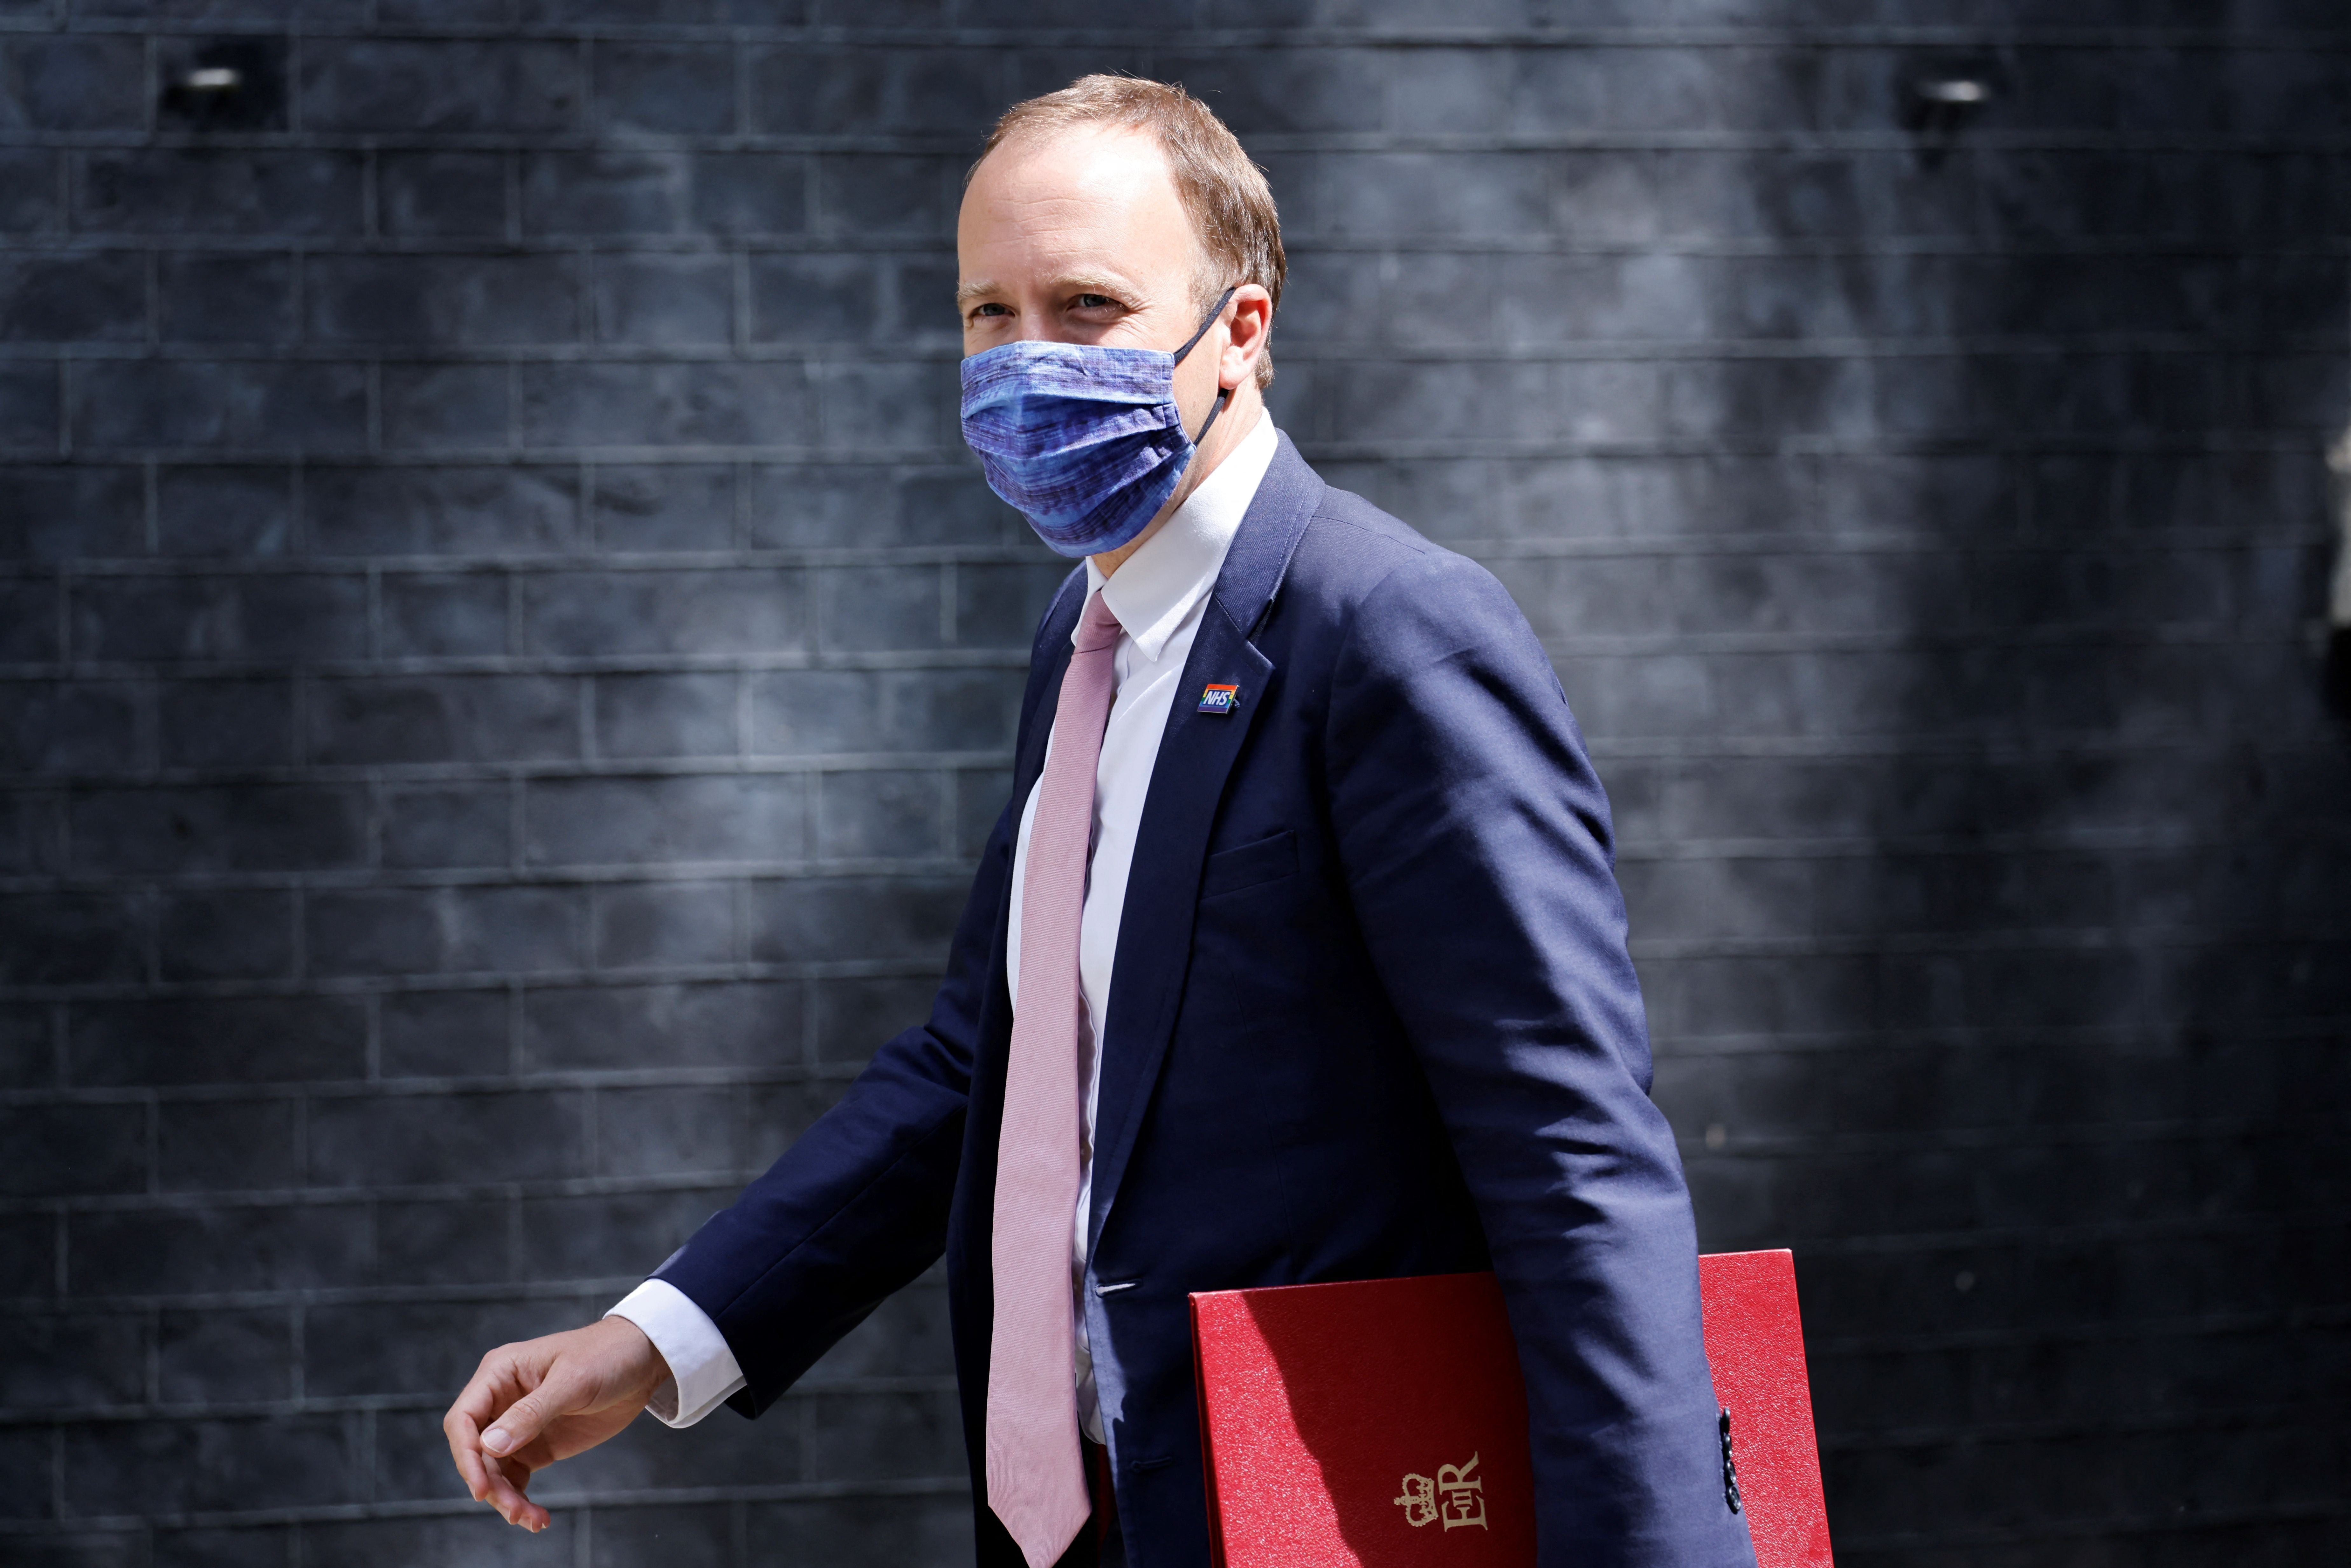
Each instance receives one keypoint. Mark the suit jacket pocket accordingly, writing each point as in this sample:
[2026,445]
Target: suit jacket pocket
[1268,859]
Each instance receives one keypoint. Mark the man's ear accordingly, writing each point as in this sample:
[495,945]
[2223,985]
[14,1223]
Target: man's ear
[1247,330]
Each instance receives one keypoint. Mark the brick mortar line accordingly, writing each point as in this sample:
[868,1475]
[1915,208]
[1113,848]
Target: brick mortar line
[2145,943]
[1816,1146]
[2243,632]
[2167,35]
[1980,141]
[949,661]
[2117,843]
[143,1526]
[2110,843]
[561,874]
[2286,1321]
[2125,1041]
[1874,548]
[749,661]
[1746,1151]
[1880,1440]
[2094,1526]
[2202,344]
[1879,135]
[341,1513]
[602,1291]
[2130,1040]
[2012,1241]
[1913,640]
[1997,750]
[1638,848]
[1303,37]
[534,1189]
[1809,1145]
[1922,547]
[2245,439]
[394,879]
[958,147]
[1829,1143]
[356,1404]
[2141,1332]
[2232,441]
[2232,630]
[714,766]
[752,244]
[621,563]
[353,986]
[2026,1238]
[2007,1237]
[838,1074]
[2142,942]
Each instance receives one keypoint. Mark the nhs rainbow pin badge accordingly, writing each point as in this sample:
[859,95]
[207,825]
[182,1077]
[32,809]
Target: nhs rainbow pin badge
[1219,699]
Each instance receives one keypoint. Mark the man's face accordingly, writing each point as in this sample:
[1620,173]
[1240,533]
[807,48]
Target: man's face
[1078,237]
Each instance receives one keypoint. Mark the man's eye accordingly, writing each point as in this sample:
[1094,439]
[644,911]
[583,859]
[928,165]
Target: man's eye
[990,309]
[1095,302]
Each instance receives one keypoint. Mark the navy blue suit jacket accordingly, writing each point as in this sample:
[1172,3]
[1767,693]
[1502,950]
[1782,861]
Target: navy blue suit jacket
[1374,1016]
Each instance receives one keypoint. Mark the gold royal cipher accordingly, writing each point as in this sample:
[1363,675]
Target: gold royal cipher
[1457,1497]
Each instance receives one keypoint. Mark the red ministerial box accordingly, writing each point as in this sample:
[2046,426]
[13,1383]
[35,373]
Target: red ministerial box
[1755,1344]
[1383,1424]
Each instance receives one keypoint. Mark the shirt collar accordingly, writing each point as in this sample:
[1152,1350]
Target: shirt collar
[1162,582]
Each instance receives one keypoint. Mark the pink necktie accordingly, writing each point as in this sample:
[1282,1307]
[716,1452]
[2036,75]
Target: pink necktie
[1036,1473]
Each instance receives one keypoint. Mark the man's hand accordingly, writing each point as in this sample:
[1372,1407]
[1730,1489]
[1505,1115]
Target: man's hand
[544,1400]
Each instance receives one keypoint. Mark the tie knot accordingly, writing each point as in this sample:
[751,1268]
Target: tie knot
[1098,628]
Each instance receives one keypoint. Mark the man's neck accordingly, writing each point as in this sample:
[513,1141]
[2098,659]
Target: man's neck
[1232,428]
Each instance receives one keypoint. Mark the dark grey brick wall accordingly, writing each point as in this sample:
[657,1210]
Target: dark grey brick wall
[504,663]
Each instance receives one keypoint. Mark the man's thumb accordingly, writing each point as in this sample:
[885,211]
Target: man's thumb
[525,1418]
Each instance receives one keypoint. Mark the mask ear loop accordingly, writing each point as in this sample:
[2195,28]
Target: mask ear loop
[1224,394]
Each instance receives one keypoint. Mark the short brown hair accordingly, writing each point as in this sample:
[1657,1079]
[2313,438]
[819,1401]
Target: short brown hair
[1232,205]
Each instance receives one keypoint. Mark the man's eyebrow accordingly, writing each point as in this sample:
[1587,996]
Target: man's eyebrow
[1068,283]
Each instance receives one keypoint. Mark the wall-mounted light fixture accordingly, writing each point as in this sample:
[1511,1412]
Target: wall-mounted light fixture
[1940,103]
[224,84]
[1952,96]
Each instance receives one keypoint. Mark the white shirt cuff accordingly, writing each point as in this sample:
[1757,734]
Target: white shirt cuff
[702,1371]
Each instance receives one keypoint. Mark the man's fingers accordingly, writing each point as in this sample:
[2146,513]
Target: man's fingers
[559,1395]
[492,1386]
[510,1477]
[464,1449]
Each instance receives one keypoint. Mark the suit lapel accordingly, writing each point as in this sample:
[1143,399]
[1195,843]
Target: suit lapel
[1050,663]
[1196,752]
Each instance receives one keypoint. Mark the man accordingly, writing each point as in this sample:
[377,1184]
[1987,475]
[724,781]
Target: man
[1296,955]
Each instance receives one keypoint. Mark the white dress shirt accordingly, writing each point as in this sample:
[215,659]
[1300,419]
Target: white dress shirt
[1158,595]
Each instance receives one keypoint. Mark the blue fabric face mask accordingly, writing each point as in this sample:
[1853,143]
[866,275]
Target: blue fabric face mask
[1085,440]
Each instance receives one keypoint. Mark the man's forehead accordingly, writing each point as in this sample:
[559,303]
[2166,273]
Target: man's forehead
[1073,200]
[1085,162]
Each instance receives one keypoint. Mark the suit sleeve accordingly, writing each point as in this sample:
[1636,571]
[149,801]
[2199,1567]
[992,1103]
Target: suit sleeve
[1476,845]
[858,1206]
